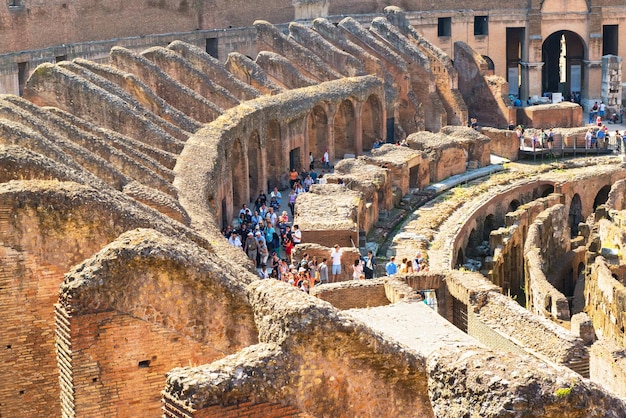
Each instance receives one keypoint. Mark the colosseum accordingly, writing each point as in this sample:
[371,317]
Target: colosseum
[132,133]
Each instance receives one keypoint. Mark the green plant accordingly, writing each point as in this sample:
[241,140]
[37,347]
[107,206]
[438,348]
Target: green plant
[563,392]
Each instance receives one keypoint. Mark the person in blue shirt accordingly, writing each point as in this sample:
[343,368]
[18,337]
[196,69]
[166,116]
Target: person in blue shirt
[391,267]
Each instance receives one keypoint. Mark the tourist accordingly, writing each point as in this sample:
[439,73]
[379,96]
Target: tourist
[618,141]
[293,177]
[234,240]
[601,111]
[288,245]
[263,252]
[391,267]
[326,158]
[335,256]
[296,235]
[370,265]
[312,265]
[311,161]
[550,140]
[520,136]
[535,140]
[299,188]
[357,269]
[322,268]
[321,179]
[600,135]
[593,112]
[264,273]
[308,181]
[403,265]
[588,138]
[292,201]
[250,247]
[276,194]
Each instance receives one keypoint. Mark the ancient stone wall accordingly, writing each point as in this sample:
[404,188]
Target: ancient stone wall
[314,357]
[564,115]
[53,227]
[353,294]
[546,243]
[503,143]
[138,275]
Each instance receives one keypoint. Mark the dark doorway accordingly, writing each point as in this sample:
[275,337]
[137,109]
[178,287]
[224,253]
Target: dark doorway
[610,39]
[514,48]
[575,214]
[294,159]
[212,47]
[390,131]
[414,176]
[563,54]
[224,214]
[601,197]
[22,76]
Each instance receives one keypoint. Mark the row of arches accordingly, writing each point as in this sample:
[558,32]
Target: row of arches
[511,274]
[262,160]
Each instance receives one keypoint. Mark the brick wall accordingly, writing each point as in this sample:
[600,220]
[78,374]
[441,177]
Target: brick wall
[248,410]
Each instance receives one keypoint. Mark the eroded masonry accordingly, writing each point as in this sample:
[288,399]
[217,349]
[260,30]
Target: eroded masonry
[122,298]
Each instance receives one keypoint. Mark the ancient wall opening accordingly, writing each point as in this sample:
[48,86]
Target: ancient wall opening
[563,54]
[601,197]
[575,214]
[371,122]
[276,161]
[345,129]
[317,131]
[255,166]
[238,174]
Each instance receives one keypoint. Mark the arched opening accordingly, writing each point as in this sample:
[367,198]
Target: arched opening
[491,68]
[547,190]
[344,129]
[513,205]
[371,122]
[490,224]
[563,53]
[460,260]
[254,165]
[601,197]
[575,214]
[238,174]
[274,154]
[317,124]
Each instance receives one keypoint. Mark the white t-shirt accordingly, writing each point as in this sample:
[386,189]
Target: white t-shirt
[297,236]
[336,256]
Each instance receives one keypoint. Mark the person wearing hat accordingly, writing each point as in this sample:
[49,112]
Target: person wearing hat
[250,247]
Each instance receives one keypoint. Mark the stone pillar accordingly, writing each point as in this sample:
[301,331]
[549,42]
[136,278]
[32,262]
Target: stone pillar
[612,82]
[592,82]
[531,79]
[310,9]
[358,135]
[330,132]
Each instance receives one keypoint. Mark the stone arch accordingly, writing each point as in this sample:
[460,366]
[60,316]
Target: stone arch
[371,121]
[344,127]
[513,205]
[491,68]
[238,174]
[491,224]
[255,164]
[575,214]
[125,293]
[460,259]
[601,197]
[560,51]
[276,163]
[317,133]
[547,190]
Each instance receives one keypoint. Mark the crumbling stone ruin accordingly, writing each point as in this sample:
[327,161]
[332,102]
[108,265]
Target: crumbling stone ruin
[122,297]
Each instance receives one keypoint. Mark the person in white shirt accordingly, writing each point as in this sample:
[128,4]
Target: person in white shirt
[234,240]
[296,235]
[335,255]
[275,193]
